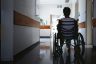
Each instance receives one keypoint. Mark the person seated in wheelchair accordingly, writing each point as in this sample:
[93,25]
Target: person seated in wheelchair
[67,27]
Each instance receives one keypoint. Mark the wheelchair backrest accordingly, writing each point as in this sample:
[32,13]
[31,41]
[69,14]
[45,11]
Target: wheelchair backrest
[68,27]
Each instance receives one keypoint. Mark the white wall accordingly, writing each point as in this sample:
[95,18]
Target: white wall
[52,1]
[94,36]
[82,10]
[82,17]
[26,7]
[46,10]
[76,10]
[6,30]
[50,7]
[94,3]
[94,29]
[89,21]
[44,32]
[25,36]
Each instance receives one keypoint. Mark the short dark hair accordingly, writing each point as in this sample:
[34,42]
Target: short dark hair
[66,11]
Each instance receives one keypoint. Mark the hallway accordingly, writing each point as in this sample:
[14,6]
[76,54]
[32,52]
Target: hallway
[45,57]
[27,28]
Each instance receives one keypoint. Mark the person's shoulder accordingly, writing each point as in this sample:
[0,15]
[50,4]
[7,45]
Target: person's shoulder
[74,19]
[67,19]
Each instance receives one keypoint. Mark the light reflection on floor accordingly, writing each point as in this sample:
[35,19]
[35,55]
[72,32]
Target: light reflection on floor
[42,54]
[46,56]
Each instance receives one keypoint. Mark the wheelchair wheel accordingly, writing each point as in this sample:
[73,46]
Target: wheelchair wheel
[80,44]
[54,43]
[56,47]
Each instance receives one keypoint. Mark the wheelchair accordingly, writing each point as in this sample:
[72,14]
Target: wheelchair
[65,35]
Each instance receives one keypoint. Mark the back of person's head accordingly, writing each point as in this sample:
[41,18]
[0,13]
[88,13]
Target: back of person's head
[66,11]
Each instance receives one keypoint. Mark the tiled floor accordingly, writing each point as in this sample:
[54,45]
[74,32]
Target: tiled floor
[41,55]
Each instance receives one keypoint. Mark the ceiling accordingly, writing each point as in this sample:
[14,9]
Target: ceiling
[56,1]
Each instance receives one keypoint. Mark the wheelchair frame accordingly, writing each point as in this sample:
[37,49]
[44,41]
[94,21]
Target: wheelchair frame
[78,43]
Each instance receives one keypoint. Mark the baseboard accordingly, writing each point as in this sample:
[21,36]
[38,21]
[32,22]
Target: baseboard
[6,62]
[88,46]
[94,47]
[0,50]
[25,51]
[44,36]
